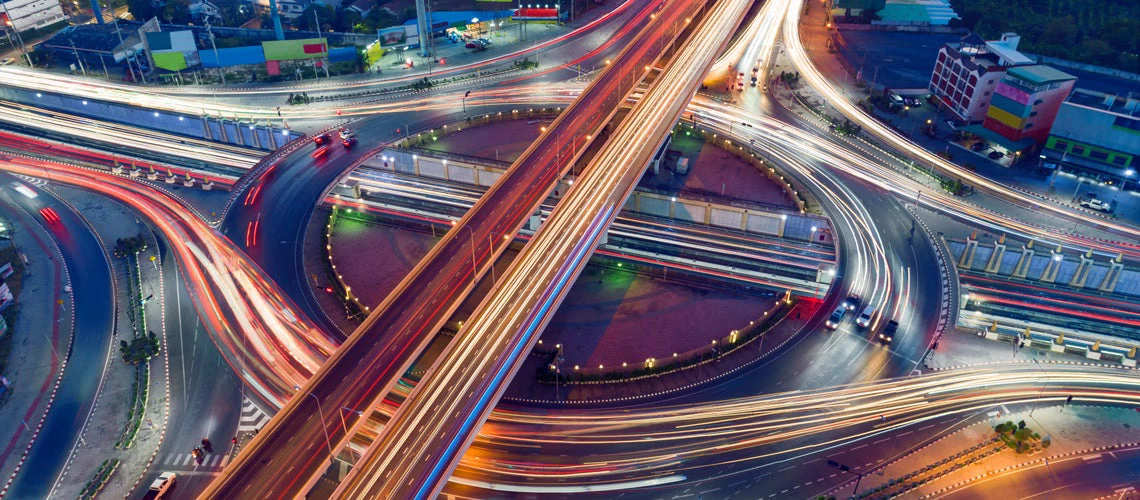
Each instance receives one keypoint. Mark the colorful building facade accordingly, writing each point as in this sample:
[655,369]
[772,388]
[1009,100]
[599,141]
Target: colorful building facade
[967,72]
[1026,100]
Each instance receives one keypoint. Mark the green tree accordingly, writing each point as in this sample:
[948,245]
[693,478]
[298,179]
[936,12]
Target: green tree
[140,9]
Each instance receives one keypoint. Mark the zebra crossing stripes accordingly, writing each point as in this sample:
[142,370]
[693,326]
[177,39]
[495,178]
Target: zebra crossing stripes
[186,460]
[252,418]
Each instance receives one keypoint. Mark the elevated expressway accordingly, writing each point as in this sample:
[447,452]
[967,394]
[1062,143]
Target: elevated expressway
[397,330]
[415,452]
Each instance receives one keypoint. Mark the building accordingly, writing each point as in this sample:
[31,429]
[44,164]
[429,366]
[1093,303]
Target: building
[24,15]
[967,72]
[201,10]
[1025,102]
[1097,133]
[289,9]
[915,13]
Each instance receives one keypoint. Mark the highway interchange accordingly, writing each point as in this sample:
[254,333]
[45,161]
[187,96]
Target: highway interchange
[261,324]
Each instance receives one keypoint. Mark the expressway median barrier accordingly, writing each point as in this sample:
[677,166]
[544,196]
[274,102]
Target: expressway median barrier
[1030,334]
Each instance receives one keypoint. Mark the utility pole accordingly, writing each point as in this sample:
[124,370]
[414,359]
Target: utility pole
[221,72]
[77,60]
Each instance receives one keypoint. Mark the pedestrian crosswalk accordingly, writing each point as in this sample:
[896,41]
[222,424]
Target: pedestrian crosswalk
[185,461]
[252,418]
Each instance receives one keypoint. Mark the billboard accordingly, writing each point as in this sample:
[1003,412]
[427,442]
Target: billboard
[392,36]
[289,50]
[169,60]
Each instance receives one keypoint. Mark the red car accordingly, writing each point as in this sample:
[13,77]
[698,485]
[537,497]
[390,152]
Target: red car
[348,142]
[322,139]
[321,151]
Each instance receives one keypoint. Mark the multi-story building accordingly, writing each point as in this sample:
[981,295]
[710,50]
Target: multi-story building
[1097,132]
[967,72]
[24,15]
[290,9]
[1025,102]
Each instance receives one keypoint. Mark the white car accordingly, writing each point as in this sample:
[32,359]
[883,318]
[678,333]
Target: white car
[864,318]
[163,484]
[1095,204]
[346,133]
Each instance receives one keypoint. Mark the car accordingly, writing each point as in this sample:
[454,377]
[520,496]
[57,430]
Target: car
[162,485]
[322,139]
[6,61]
[484,41]
[995,155]
[888,333]
[753,80]
[345,133]
[978,146]
[1098,205]
[852,302]
[864,318]
[49,214]
[472,44]
[321,151]
[349,142]
[755,69]
[836,316]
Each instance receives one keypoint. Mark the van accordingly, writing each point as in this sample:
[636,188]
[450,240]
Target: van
[864,318]
[163,484]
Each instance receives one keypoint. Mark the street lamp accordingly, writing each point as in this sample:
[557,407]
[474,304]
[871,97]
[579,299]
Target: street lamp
[328,441]
[1127,174]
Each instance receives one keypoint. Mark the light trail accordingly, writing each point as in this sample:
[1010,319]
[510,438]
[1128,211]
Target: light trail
[416,450]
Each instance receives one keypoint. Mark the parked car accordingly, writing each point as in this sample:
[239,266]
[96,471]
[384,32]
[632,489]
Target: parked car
[995,155]
[484,41]
[1098,205]
[6,61]
[888,333]
[978,146]
[864,318]
[836,316]
[472,44]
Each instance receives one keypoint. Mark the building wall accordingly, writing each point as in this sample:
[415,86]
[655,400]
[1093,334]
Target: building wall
[29,14]
[1097,135]
[965,91]
[1018,112]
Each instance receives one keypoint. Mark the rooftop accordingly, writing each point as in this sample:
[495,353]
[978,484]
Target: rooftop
[1040,74]
[1114,103]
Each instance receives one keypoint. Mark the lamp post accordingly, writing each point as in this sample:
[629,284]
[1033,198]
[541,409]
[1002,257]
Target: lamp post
[1124,182]
[1080,182]
[321,412]
[343,424]
[468,93]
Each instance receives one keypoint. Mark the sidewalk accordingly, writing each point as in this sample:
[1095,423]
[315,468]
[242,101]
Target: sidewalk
[1072,429]
[32,365]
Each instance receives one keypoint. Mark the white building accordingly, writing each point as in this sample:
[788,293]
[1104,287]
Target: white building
[28,14]
[289,9]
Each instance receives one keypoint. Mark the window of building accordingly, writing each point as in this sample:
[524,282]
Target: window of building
[973,79]
[1098,155]
[1039,101]
[1125,122]
[1061,145]
[1028,125]
[1120,160]
[1032,113]
[1078,150]
[987,93]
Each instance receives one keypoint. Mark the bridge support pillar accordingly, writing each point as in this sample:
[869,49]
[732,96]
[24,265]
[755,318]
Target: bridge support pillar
[1021,270]
[535,221]
[1083,269]
[966,260]
[1112,277]
[206,132]
[1054,265]
[994,264]
[222,127]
